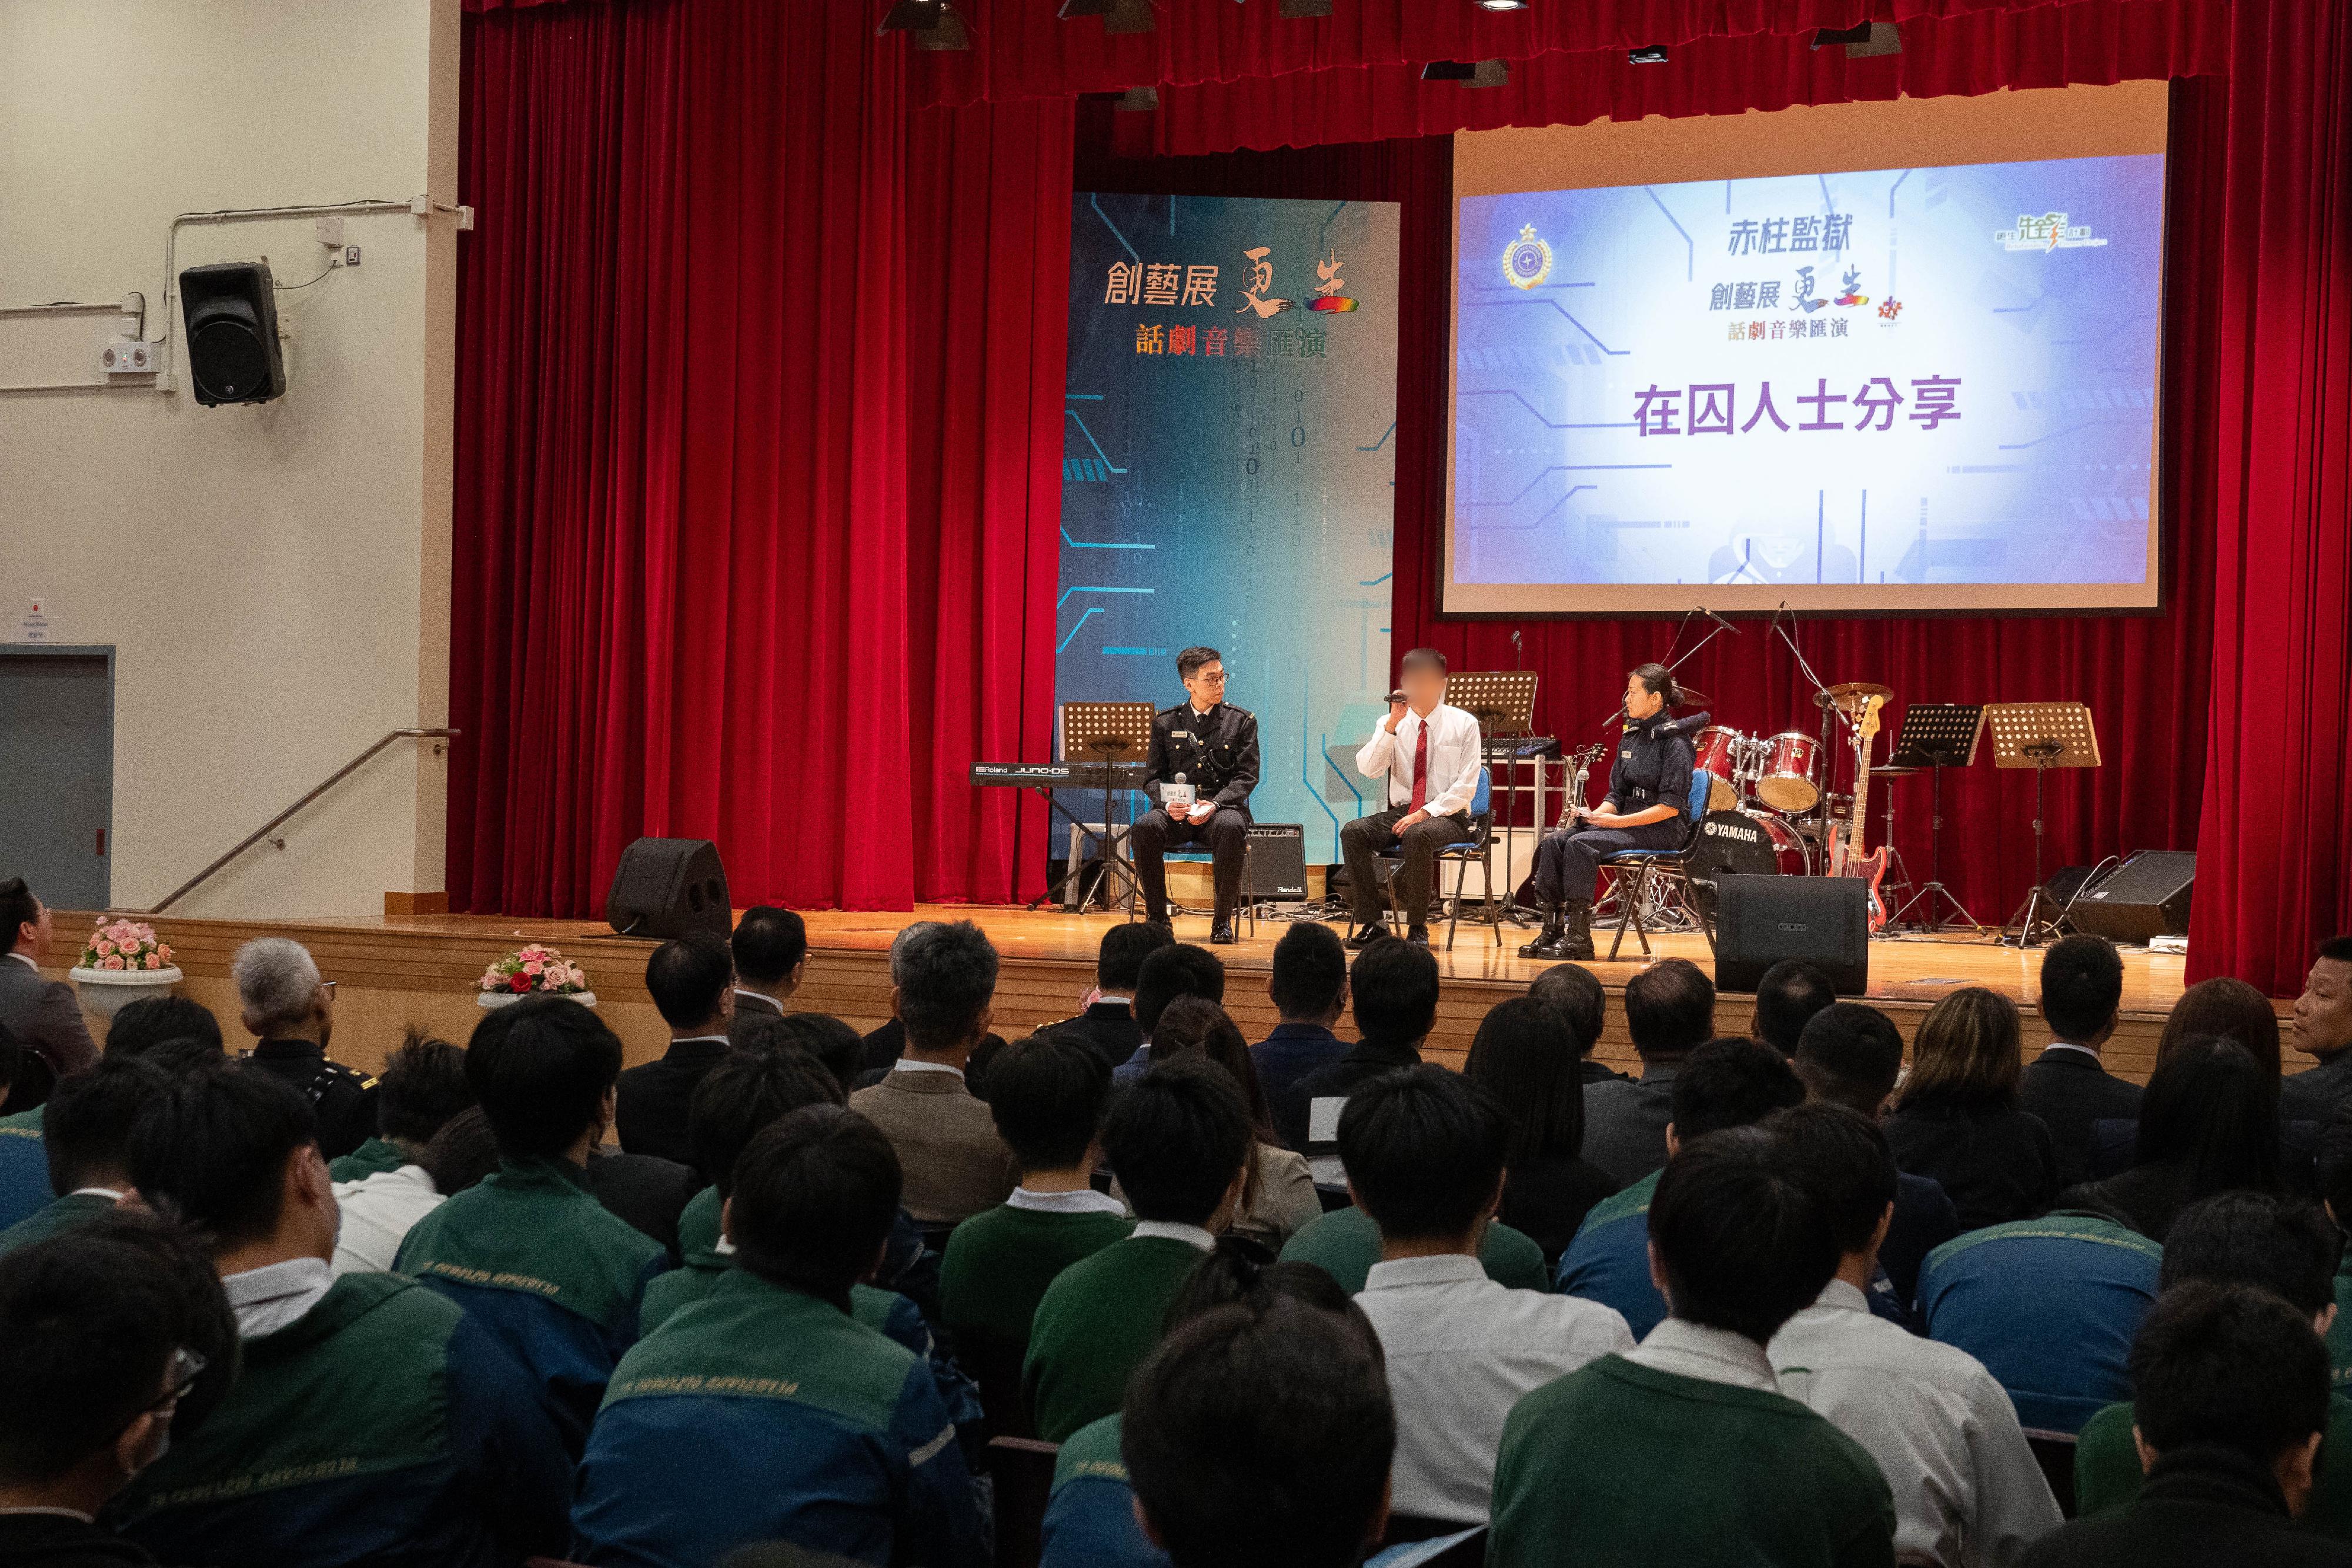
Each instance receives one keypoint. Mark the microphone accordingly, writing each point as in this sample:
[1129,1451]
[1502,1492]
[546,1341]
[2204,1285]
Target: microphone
[1718,620]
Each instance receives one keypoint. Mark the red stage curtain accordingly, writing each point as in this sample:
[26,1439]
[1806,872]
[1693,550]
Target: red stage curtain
[735,566]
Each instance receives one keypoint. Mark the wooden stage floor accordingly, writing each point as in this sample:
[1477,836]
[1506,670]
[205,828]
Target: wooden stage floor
[394,973]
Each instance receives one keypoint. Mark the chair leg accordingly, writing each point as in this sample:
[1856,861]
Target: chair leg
[1454,912]
[1629,909]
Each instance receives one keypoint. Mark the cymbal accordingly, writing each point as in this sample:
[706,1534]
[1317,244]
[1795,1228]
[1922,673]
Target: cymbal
[1891,772]
[1849,692]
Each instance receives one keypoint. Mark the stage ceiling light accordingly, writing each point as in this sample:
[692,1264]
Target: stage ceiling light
[1502,5]
[1648,55]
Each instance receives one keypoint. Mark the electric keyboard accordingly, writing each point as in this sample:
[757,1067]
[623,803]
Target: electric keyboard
[1060,775]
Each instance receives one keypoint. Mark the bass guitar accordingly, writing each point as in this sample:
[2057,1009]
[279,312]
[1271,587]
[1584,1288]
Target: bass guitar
[1572,809]
[1846,856]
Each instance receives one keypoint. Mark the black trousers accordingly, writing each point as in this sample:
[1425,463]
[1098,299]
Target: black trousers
[1568,864]
[1227,834]
[1361,843]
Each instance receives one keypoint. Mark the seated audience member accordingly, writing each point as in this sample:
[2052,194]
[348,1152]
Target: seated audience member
[2290,1248]
[103,1334]
[1851,1054]
[770,949]
[766,1411]
[1346,1244]
[1967,1491]
[1280,1198]
[2067,1085]
[372,1422]
[529,1252]
[1670,1012]
[1790,993]
[2082,1283]
[2229,1009]
[40,1012]
[2231,1402]
[1309,989]
[290,1012]
[1684,1450]
[1109,1025]
[1526,1057]
[1423,1150]
[885,1044]
[1171,970]
[2323,1031]
[150,1021]
[2208,1124]
[423,1086]
[1179,1140]
[1090,1519]
[87,1136]
[692,982]
[24,1162]
[1956,1119]
[1049,1101]
[954,1164]
[1724,1083]
[830,1041]
[1571,988]
[1219,1485]
[1394,988]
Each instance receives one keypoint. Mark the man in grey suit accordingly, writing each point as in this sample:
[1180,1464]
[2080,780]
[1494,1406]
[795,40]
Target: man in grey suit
[1670,1012]
[40,1012]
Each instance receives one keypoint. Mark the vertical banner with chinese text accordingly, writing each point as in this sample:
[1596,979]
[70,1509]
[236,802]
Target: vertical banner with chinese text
[1227,473]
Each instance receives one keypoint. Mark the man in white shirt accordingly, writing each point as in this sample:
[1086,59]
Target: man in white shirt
[377,1211]
[1424,1159]
[1429,756]
[1968,1491]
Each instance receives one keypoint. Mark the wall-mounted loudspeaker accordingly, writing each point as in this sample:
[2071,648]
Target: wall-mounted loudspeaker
[230,309]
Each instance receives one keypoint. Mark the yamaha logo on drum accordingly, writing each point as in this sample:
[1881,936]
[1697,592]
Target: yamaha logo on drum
[1739,830]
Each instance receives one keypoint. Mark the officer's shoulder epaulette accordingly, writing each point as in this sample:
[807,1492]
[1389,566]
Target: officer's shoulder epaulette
[336,1069]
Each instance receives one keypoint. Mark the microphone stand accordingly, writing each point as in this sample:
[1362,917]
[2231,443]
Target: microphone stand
[1828,705]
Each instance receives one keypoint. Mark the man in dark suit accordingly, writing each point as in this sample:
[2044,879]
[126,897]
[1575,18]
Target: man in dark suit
[1670,1012]
[1203,766]
[1109,1023]
[40,1012]
[1394,988]
[770,947]
[2067,1085]
[2229,1389]
[1576,996]
[691,979]
[2323,1030]
[290,1012]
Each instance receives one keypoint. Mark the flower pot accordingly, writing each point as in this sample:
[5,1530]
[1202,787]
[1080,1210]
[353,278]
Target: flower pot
[506,999]
[106,992]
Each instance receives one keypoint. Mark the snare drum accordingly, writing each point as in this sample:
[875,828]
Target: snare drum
[1787,782]
[1719,752]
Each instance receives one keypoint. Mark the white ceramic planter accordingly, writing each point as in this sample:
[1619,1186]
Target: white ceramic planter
[507,998]
[106,992]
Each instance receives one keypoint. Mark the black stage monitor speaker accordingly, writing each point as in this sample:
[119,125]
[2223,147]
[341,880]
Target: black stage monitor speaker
[231,311]
[2147,896]
[1275,868]
[1761,920]
[669,887]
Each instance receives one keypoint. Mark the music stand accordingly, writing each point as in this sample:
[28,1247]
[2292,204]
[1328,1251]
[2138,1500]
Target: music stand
[2040,735]
[1936,735]
[1098,735]
[1504,703]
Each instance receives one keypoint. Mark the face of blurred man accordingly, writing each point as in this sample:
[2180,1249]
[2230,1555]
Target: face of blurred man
[1424,687]
[2323,1014]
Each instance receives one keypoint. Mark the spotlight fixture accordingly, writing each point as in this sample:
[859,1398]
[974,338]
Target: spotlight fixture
[1648,55]
[1469,73]
[935,24]
[1502,5]
[1137,101]
[1298,8]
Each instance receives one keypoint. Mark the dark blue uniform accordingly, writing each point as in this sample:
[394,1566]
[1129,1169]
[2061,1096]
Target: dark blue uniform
[1216,752]
[1652,768]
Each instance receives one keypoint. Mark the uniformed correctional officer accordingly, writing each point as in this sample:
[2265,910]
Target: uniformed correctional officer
[291,1011]
[1649,791]
[1214,746]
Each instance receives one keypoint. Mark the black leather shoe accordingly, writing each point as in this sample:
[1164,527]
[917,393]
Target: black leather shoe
[1418,935]
[1364,936]
[1222,934]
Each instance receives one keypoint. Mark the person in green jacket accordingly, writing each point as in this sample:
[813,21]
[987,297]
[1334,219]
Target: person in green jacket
[1180,1141]
[1684,1450]
[2290,1250]
[422,1086]
[87,1133]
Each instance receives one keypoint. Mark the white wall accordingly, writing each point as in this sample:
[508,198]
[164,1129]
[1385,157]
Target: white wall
[274,578]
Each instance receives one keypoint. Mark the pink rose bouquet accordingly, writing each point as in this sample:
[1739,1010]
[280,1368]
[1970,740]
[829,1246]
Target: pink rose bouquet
[124,944]
[535,969]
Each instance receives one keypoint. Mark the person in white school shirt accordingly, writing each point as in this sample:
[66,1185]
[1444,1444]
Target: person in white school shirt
[1428,754]
[1967,1491]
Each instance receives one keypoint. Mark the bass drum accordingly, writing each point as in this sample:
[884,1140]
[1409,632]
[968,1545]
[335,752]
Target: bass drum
[1743,843]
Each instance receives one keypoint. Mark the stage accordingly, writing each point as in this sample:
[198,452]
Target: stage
[392,973]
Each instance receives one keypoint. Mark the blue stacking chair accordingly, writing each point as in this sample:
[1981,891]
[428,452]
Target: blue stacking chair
[1477,850]
[1193,856]
[1637,870]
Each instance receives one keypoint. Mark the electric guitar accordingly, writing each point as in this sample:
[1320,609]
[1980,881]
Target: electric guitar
[1846,858]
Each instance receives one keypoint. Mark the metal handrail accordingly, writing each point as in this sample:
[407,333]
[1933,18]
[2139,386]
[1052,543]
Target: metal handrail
[263,832]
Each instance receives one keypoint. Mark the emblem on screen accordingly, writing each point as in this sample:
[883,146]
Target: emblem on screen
[1527,260]
[2047,232]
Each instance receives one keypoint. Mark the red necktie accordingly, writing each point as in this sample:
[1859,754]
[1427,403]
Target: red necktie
[1420,768]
